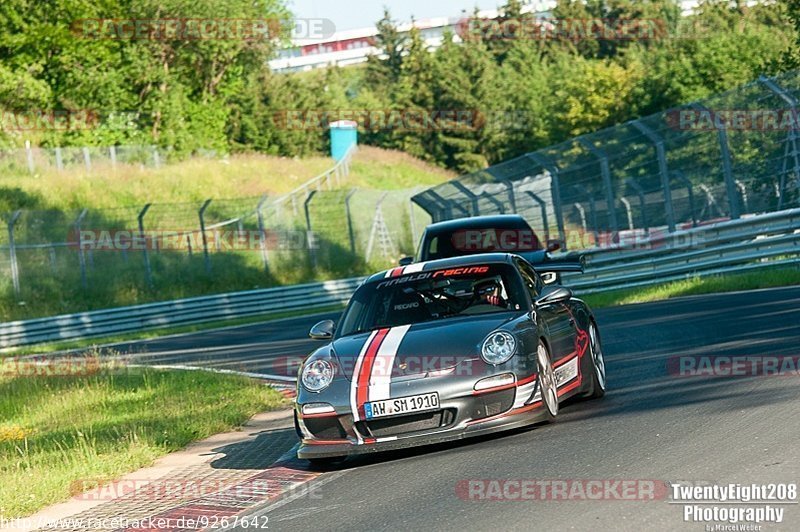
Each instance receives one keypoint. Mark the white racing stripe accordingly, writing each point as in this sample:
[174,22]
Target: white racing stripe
[381,378]
[356,370]
[414,268]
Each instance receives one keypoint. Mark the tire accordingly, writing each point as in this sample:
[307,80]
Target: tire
[547,382]
[326,463]
[597,379]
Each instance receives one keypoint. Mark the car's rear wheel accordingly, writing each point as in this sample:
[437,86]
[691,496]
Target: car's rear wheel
[547,382]
[597,388]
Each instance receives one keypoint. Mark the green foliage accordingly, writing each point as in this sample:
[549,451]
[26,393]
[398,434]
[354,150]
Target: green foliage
[524,91]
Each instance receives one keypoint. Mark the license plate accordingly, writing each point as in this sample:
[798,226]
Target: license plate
[402,405]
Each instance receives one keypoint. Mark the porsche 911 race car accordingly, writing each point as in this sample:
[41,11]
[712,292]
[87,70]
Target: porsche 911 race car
[443,350]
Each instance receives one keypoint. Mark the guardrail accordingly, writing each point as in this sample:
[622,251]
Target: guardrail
[742,245]
[180,312]
[747,244]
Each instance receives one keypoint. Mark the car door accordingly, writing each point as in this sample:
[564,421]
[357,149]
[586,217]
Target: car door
[555,319]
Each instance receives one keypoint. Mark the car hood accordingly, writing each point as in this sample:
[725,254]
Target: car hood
[425,347]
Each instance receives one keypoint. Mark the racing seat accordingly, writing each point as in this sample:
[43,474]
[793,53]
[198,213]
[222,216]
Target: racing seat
[407,308]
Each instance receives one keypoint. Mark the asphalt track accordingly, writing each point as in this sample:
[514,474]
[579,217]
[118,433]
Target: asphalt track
[650,426]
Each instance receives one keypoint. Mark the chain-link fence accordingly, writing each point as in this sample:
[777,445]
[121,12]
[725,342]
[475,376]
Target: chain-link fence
[92,158]
[722,158]
[54,262]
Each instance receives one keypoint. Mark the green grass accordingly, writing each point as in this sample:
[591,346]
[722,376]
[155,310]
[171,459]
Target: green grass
[58,430]
[696,286]
[90,343]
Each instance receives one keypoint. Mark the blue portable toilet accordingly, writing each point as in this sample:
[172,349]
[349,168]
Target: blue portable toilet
[344,136]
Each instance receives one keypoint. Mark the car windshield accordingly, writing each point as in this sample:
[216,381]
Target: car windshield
[507,237]
[434,295]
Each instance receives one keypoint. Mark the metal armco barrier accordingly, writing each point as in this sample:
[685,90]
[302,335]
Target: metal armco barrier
[179,312]
[747,244]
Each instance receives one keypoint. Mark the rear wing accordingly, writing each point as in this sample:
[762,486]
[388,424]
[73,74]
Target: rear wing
[562,263]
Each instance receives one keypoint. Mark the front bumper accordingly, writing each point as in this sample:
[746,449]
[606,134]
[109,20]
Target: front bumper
[463,413]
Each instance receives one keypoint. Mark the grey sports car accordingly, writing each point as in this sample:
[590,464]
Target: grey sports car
[443,350]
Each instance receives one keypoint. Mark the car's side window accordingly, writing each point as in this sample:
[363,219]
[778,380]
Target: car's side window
[532,282]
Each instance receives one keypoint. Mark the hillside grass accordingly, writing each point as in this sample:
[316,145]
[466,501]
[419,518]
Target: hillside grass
[51,279]
[197,179]
[56,431]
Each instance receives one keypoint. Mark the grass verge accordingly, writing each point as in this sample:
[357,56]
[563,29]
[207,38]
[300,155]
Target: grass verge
[57,430]
[696,286]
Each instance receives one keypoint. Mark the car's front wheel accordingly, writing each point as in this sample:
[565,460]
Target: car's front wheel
[547,382]
[597,387]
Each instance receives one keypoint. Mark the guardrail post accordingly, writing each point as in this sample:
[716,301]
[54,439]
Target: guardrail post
[201,214]
[59,159]
[148,273]
[605,171]
[555,191]
[350,232]
[639,192]
[12,252]
[29,154]
[262,231]
[309,235]
[112,153]
[543,207]
[727,167]
[81,257]
[663,170]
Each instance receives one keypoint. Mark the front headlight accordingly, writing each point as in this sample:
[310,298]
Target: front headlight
[317,374]
[498,347]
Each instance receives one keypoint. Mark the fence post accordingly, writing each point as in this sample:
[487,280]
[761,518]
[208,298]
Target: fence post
[201,214]
[59,159]
[471,196]
[791,145]
[583,190]
[156,158]
[658,142]
[727,167]
[87,159]
[543,208]
[512,200]
[683,179]
[555,191]
[262,232]
[640,192]
[605,171]
[350,232]
[148,272]
[29,154]
[309,235]
[112,152]
[81,257]
[413,222]
[12,252]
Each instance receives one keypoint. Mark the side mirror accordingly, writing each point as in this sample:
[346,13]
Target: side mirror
[322,330]
[405,261]
[552,295]
[553,245]
[549,277]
